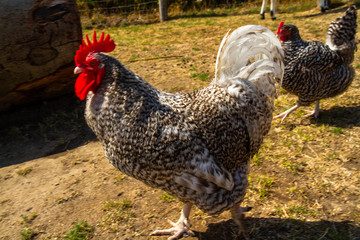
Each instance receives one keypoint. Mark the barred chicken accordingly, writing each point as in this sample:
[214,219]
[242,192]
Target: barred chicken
[195,146]
[315,71]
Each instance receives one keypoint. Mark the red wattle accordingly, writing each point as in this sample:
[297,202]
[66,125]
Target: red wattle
[283,39]
[84,83]
[99,76]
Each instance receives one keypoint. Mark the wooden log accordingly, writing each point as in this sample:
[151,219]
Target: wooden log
[38,41]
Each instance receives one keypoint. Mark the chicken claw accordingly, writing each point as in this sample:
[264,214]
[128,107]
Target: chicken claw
[316,112]
[179,228]
[286,113]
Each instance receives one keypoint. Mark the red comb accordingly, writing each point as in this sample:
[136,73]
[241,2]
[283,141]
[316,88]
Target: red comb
[103,45]
[279,27]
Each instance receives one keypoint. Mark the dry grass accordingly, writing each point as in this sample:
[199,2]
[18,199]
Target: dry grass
[304,182]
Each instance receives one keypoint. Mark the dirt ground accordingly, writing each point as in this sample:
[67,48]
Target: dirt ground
[304,183]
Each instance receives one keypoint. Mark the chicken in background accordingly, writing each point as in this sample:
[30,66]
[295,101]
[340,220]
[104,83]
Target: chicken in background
[195,146]
[315,71]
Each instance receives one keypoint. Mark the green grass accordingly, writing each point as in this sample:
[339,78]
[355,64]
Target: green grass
[166,197]
[69,197]
[261,185]
[177,88]
[185,59]
[24,172]
[29,218]
[298,211]
[124,204]
[294,166]
[333,156]
[201,76]
[27,233]
[80,231]
[119,178]
[204,77]
[265,185]
[257,159]
[337,130]
[117,212]
[133,58]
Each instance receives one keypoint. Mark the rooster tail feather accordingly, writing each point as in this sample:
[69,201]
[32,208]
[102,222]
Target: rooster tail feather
[219,53]
[252,55]
[341,34]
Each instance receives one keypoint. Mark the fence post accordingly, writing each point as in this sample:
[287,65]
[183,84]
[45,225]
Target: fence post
[163,10]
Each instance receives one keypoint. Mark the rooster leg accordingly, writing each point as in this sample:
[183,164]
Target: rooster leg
[182,226]
[238,216]
[286,113]
[316,112]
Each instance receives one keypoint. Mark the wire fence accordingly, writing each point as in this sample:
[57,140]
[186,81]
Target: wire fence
[127,7]
[116,7]
[119,12]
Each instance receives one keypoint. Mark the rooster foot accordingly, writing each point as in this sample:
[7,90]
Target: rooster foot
[181,228]
[315,113]
[286,113]
[238,216]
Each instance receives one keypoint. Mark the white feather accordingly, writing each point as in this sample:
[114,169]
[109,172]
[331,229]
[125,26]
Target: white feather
[252,54]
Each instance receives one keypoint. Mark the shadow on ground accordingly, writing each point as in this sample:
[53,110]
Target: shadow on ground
[276,228]
[343,117]
[336,8]
[42,129]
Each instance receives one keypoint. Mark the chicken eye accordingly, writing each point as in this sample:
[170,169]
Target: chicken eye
[92,63]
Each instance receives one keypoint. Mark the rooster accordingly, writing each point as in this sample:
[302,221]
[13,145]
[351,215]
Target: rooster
[195,146]
[313,70]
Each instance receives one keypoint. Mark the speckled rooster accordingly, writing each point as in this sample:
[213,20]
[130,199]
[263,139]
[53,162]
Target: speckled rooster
[195,146]
[313,70]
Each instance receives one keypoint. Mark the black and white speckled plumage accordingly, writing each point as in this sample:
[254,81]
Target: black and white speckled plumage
[196,146]
[315,71]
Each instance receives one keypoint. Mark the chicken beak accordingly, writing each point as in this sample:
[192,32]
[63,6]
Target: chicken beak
[78,70]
